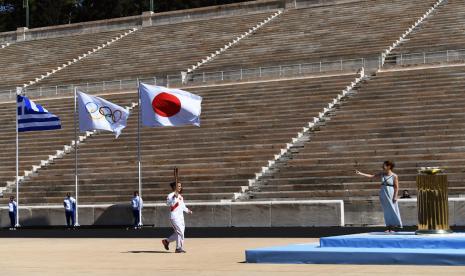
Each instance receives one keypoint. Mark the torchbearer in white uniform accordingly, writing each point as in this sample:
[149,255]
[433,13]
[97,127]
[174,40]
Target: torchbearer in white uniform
[177,209]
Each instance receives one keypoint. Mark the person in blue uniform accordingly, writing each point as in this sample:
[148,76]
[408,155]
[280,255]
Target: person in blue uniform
[137,205]
[12,212]
[388,195]
[70,210]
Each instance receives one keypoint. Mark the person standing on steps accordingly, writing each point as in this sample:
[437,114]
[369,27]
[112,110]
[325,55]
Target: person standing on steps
[12,212]
[137,205]
[70,210]
[388,195]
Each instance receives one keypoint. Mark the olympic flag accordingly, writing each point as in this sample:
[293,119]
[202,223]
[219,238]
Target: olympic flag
[161,106]
[98,113]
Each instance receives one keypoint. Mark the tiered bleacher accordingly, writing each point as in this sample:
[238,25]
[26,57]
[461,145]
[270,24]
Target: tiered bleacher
[242,127]
[24,61]
[442,31]
[413,117]
[360,29]
[158,50]
[33,146]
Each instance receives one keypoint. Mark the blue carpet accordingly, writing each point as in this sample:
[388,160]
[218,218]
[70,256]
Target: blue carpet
[371,248]
[397,240]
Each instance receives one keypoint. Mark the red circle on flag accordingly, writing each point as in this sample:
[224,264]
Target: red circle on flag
[166,105]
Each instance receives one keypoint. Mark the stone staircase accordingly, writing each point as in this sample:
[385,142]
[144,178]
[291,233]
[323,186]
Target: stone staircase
[412,117]
[240,131]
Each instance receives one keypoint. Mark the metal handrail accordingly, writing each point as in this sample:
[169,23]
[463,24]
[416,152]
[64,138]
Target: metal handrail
[202,78]
[429,57]
[279,71]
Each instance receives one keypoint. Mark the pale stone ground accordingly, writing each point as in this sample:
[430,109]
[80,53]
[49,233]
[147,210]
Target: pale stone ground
[147,257]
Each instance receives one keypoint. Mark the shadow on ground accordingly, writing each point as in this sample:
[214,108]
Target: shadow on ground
[147,252]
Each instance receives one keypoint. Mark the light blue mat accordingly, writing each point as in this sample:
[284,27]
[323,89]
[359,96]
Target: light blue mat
[397,240]
[370,248]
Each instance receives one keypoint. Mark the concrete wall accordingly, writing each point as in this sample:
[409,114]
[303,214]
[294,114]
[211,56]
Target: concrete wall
[80,28]
[146,19]
[235,214]
[7,37]
[302,213]
[153,19]
[369,212]
[316,3]
[212,12]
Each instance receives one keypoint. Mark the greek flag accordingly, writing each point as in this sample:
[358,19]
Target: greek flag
[33,117]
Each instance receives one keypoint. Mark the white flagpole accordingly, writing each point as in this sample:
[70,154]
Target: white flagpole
[18,91]
[139,152]
[76,223]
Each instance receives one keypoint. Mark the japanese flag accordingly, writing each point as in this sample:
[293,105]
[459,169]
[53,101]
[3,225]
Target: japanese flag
[161,106]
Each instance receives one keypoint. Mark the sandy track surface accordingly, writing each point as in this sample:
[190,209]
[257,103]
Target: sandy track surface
[147,257]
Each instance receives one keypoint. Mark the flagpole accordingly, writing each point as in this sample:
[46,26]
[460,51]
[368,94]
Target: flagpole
[17,162]
[76,223]
[139,161]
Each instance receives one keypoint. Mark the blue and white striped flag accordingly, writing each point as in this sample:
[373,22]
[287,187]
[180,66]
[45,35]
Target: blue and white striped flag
[33,117]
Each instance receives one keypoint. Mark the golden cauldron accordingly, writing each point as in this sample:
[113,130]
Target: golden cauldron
[432,202]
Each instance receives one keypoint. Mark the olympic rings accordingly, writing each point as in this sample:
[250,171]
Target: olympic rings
[97,112]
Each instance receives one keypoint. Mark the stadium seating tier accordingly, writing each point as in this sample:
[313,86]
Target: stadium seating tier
[412,117]
[243,126]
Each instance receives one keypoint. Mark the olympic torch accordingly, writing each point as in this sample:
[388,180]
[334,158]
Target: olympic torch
[176,177]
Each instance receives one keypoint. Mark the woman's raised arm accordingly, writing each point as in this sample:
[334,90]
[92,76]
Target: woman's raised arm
[366,174]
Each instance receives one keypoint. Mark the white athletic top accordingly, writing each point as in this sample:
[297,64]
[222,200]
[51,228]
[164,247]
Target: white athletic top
[137,203]
[12,206]
[177,206]
[69,204]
